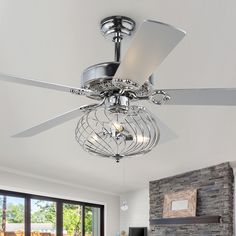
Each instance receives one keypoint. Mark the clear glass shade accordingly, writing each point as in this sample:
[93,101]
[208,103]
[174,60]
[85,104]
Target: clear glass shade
[117,133]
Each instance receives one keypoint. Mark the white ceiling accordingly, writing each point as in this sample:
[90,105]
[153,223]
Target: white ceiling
[55,40]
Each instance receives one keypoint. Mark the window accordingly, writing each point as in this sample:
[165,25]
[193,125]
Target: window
[77,218]
[12,216]
[43,218]
[72,220]
[29,215]
[92,221]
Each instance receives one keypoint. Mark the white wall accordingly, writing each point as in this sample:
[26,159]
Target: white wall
[138,213]
[30,184]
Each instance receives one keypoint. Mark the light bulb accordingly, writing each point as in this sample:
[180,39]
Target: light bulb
[119,128]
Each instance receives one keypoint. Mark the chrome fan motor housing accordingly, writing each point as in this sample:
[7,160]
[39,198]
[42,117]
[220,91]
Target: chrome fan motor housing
[99,78]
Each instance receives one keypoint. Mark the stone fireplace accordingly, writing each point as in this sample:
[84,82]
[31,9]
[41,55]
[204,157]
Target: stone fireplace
[215,196]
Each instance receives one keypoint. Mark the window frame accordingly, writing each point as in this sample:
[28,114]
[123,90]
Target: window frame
[59,210]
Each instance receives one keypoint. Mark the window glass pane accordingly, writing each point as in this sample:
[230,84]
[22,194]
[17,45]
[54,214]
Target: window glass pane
[72,220]
[43,218]
[12,216]
[92,221]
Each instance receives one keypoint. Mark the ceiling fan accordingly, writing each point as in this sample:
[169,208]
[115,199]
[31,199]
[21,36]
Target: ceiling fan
[113,127]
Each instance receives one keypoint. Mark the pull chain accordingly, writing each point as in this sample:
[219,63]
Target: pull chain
[124,205]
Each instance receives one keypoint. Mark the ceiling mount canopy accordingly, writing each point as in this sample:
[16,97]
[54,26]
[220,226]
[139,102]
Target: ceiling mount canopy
[115,127]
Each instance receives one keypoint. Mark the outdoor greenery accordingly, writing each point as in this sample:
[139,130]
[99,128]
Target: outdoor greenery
[14,213]
[88,220]
[72,219]
[45,212]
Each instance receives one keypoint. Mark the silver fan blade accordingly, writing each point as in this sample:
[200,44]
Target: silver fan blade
[36,83]
[166,134]
[151,45]
[204,96]
[55,121]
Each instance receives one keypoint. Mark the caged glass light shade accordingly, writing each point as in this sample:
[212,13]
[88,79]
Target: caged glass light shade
[117,133]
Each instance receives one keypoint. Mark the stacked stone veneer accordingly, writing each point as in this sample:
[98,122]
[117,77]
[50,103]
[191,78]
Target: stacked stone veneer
[215,197]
